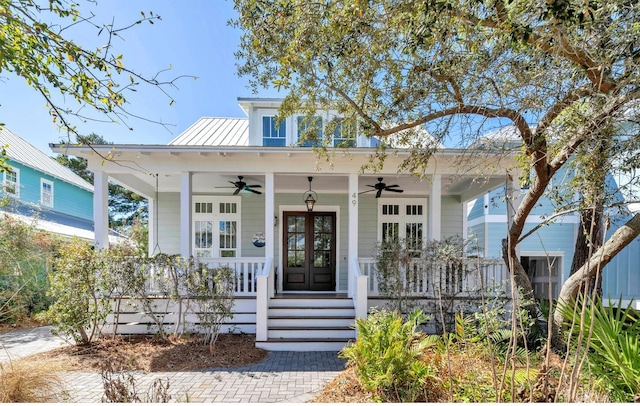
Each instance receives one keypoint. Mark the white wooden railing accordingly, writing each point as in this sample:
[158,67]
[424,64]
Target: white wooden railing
[431,279]
[246,271]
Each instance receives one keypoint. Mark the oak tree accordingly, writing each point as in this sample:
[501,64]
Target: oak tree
[562,72]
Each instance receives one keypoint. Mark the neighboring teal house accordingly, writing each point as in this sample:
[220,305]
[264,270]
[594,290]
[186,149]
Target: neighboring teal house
[40,187]
[549,251]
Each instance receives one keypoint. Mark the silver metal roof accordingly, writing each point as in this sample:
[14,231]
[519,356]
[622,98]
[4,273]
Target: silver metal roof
[215,131]
[21,151]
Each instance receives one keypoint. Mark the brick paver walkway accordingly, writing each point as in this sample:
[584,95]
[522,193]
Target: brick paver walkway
[281,377]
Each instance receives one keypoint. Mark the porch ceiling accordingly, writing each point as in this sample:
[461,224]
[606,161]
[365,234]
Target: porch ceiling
[463,174]
[467,187]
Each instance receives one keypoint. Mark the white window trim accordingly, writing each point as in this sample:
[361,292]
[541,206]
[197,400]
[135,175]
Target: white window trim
[16,184]
[215,218]
[402,216]
[273,116]
[44,181]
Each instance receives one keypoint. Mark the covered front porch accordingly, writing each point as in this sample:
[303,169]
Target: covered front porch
[278,247]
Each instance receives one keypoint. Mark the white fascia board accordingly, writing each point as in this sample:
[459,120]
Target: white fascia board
[502,219]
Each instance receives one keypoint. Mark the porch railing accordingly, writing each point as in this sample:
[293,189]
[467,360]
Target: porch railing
[423,278]
[246,271]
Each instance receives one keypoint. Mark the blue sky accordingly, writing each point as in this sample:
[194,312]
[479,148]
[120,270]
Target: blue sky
[193,37]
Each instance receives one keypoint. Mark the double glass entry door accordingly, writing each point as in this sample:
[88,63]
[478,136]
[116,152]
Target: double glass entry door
[309,251]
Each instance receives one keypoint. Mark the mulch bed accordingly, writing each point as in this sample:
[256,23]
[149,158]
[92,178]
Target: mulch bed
[142,353]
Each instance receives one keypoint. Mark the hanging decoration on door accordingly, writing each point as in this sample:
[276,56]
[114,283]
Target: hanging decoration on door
[258,239]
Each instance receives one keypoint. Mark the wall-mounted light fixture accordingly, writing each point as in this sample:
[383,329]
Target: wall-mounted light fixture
[310,197]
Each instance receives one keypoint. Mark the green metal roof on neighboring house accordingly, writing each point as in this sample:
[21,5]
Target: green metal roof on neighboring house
[19,150]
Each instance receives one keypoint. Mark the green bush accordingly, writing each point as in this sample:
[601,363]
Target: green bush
[24,251]
[77,282]
[614,350]
[387,356]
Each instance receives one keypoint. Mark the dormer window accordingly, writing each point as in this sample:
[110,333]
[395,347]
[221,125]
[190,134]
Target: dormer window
[309,128]
[344,134]
[273,135]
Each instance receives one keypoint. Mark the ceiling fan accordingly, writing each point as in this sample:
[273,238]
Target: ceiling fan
[380,186]
[242,185]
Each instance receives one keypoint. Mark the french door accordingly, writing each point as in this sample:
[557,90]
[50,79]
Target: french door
[309,251]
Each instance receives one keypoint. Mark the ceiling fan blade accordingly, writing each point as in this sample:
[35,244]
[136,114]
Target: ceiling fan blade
[236,191]
[395,190]
[254,191]
[366,191]
[391,186]
[379,193]
[254,185]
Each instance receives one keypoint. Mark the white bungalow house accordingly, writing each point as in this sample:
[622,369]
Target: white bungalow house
[298,230]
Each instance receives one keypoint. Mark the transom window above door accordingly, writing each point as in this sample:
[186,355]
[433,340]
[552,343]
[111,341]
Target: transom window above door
[216,226]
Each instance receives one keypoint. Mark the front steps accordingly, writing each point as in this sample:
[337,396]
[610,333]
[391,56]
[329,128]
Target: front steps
[309,323]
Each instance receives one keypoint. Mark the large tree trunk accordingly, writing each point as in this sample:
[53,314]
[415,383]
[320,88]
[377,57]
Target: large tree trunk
[520,277]
[590,238]
[592,268]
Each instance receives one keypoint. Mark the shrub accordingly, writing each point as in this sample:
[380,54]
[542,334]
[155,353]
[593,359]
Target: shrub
[213,291]
[78,282]
[614,350]
[387,356]
[23,282]
[122,388]
[29,382]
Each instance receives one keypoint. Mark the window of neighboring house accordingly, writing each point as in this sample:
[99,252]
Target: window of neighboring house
[403,220]
[11,183]
[344,135]
[311,128]
[216,226]
[273,135]
[46,193]
[544,273]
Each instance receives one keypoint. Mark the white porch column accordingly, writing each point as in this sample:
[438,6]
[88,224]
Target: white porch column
[101,209]
[185,214]
[435,208]
[269,213]
[352,250]
[265,289]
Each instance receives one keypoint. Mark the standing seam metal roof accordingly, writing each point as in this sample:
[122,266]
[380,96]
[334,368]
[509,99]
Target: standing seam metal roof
[215,131]
[23,152]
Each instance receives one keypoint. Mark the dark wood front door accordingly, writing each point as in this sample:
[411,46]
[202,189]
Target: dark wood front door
[309,251]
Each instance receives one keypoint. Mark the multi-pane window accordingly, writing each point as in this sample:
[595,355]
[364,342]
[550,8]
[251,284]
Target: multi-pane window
[311,129]
[402,220]
[11,184]
[344,134]
[46,193]
[216,226]
[273,134]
